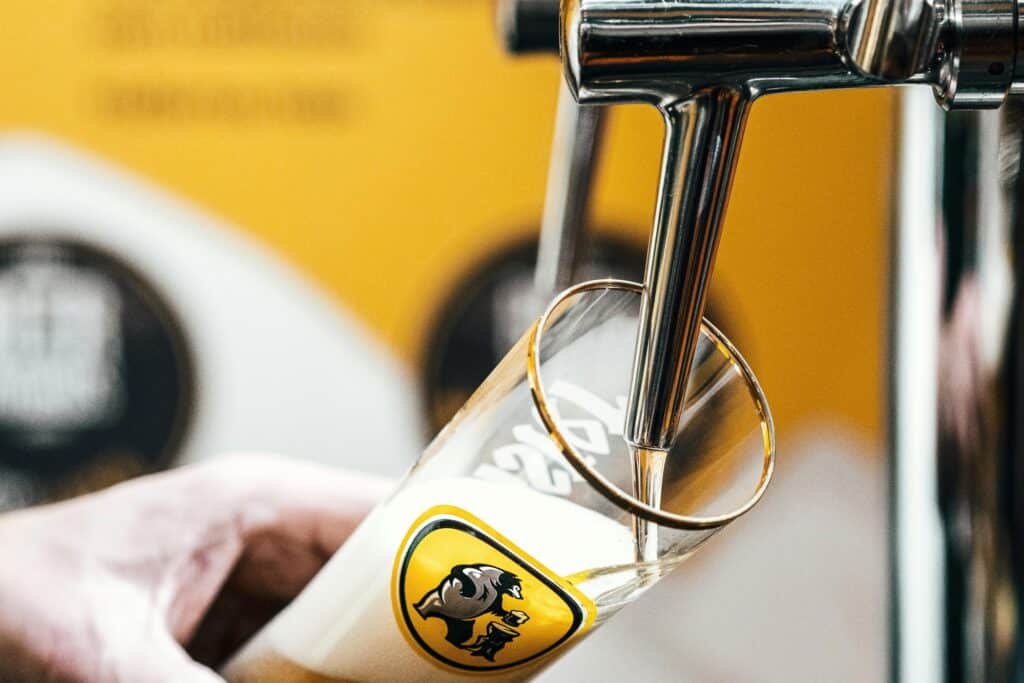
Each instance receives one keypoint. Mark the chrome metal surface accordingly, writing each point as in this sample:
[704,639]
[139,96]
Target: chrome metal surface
[702,140]
[570,177]
[673,52]
[975,73]
[646,49]
[916,541]
[653,50]
[702,63]
[958,422]
[893,39]
[1017,84]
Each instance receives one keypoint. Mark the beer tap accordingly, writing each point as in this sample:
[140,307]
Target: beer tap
[703,63]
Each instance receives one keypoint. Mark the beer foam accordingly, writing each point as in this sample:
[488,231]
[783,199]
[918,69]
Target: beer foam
[343,625]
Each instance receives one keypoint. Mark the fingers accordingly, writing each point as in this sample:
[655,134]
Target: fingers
[264,524]
[306,504]
[290,516]
[267,522]
[168,542]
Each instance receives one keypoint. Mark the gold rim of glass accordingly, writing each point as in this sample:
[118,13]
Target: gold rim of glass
[609,490]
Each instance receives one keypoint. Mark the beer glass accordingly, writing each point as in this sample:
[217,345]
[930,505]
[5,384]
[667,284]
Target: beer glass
[529,520]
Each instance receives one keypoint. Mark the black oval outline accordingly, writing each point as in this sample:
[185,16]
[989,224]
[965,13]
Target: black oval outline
[163,307]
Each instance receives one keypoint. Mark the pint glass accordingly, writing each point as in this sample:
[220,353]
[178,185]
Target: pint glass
[528,521]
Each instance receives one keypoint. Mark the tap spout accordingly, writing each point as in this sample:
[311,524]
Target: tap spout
[702,141]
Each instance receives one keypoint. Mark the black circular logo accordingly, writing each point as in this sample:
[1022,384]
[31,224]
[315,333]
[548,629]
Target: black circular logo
[96,380]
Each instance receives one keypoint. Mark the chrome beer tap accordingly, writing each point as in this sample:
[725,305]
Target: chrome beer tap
[958,525]
[702,63]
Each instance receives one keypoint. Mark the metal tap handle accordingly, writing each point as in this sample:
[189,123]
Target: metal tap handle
[702,140]
[646,50]
[702,62]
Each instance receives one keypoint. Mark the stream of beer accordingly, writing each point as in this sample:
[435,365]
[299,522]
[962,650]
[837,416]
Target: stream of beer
[648,473]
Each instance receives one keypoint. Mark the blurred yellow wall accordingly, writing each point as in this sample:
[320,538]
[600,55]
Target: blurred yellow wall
[384,146]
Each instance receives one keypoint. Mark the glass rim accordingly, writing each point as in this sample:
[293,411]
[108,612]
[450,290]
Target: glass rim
[605,487]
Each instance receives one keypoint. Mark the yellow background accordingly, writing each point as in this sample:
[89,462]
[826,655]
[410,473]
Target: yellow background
[439,153]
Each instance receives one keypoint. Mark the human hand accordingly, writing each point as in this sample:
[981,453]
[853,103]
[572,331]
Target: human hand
[112,586]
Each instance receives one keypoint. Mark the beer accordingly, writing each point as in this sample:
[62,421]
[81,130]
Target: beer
[275,668]
[352,623]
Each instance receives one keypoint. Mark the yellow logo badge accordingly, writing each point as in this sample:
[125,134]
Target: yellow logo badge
[468,599]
